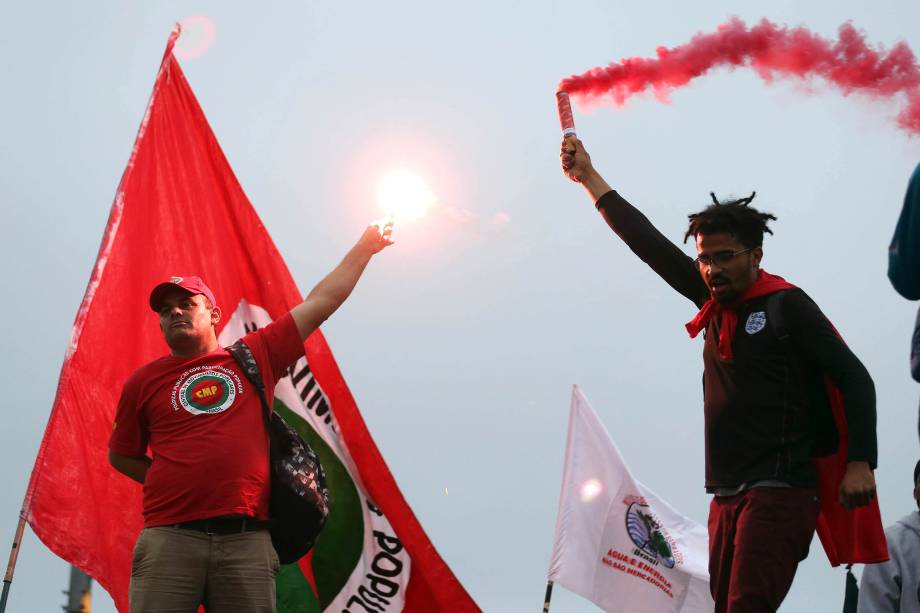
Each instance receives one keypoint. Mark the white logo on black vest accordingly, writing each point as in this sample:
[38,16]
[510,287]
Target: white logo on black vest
[206,390]
[755,322]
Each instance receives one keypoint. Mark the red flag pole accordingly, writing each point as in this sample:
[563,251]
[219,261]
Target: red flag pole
[14,553]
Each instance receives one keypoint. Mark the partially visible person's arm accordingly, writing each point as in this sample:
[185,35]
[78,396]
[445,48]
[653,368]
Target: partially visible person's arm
[634,228]
[331,292]
[134,467]
[817,338]
[129,438]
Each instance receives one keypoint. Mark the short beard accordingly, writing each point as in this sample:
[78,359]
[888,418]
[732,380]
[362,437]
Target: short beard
[181,337]
[729,298]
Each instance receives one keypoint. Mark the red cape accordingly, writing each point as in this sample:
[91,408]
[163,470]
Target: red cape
[848,537]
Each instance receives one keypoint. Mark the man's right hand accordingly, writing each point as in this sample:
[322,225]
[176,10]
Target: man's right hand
[576,164]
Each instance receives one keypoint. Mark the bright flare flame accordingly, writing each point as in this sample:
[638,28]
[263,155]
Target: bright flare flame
[404,196]
[590,489]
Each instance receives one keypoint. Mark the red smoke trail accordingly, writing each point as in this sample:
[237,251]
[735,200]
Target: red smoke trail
[849,63]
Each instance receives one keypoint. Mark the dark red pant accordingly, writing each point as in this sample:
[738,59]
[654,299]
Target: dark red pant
[756,540]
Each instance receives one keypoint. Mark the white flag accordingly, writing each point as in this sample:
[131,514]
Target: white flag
[617,543]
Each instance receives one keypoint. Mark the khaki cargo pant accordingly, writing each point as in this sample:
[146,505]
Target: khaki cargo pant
[174,570]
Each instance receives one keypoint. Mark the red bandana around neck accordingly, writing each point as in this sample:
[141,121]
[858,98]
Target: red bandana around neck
[765,285]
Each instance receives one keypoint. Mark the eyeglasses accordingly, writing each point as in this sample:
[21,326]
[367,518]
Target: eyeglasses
[720,258]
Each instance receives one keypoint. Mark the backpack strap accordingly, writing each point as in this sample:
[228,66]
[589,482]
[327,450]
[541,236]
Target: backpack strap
[775,316]
[244,358]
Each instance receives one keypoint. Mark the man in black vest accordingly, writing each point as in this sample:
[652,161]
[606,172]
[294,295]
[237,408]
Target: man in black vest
[765,402]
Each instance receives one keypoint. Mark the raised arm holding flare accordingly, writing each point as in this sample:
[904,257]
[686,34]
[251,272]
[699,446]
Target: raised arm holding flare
[767,413]
[206,487]
[329,294]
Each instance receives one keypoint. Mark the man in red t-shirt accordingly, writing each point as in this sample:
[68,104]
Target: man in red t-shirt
[206,486]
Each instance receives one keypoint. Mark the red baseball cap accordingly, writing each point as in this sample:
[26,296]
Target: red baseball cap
[193,285]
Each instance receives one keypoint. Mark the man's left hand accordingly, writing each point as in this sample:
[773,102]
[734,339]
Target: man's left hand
[858,486]
[377,236]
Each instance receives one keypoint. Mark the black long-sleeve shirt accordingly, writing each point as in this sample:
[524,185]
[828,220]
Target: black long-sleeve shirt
[766,411]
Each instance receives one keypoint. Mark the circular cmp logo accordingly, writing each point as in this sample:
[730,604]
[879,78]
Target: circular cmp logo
[207,392]
[646,531]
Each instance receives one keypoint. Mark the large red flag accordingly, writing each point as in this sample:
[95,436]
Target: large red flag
[179,210]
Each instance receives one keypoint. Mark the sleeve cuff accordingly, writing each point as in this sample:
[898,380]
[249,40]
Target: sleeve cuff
[604,200]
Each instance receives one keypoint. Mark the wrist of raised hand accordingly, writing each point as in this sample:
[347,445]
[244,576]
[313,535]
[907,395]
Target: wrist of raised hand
[595,184]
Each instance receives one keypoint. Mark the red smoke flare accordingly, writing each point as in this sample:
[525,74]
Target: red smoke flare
[849,63]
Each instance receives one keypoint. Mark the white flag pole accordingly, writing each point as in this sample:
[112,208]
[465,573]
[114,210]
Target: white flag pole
[549,594]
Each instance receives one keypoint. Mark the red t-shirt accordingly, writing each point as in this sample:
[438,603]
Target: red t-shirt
[203,421]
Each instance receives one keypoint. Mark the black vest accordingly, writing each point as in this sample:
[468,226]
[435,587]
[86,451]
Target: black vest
[766,412]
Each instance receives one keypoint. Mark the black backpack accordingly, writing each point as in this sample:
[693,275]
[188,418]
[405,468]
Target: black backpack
[299,503]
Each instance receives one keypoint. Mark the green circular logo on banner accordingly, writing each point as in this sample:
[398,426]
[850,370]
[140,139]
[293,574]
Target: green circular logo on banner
[207,392]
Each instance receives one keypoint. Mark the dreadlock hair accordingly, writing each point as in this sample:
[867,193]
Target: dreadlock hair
[734,217]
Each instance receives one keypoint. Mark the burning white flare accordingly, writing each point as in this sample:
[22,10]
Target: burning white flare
[404,196]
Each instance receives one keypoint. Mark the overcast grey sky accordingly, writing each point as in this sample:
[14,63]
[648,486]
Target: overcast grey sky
[462,341]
